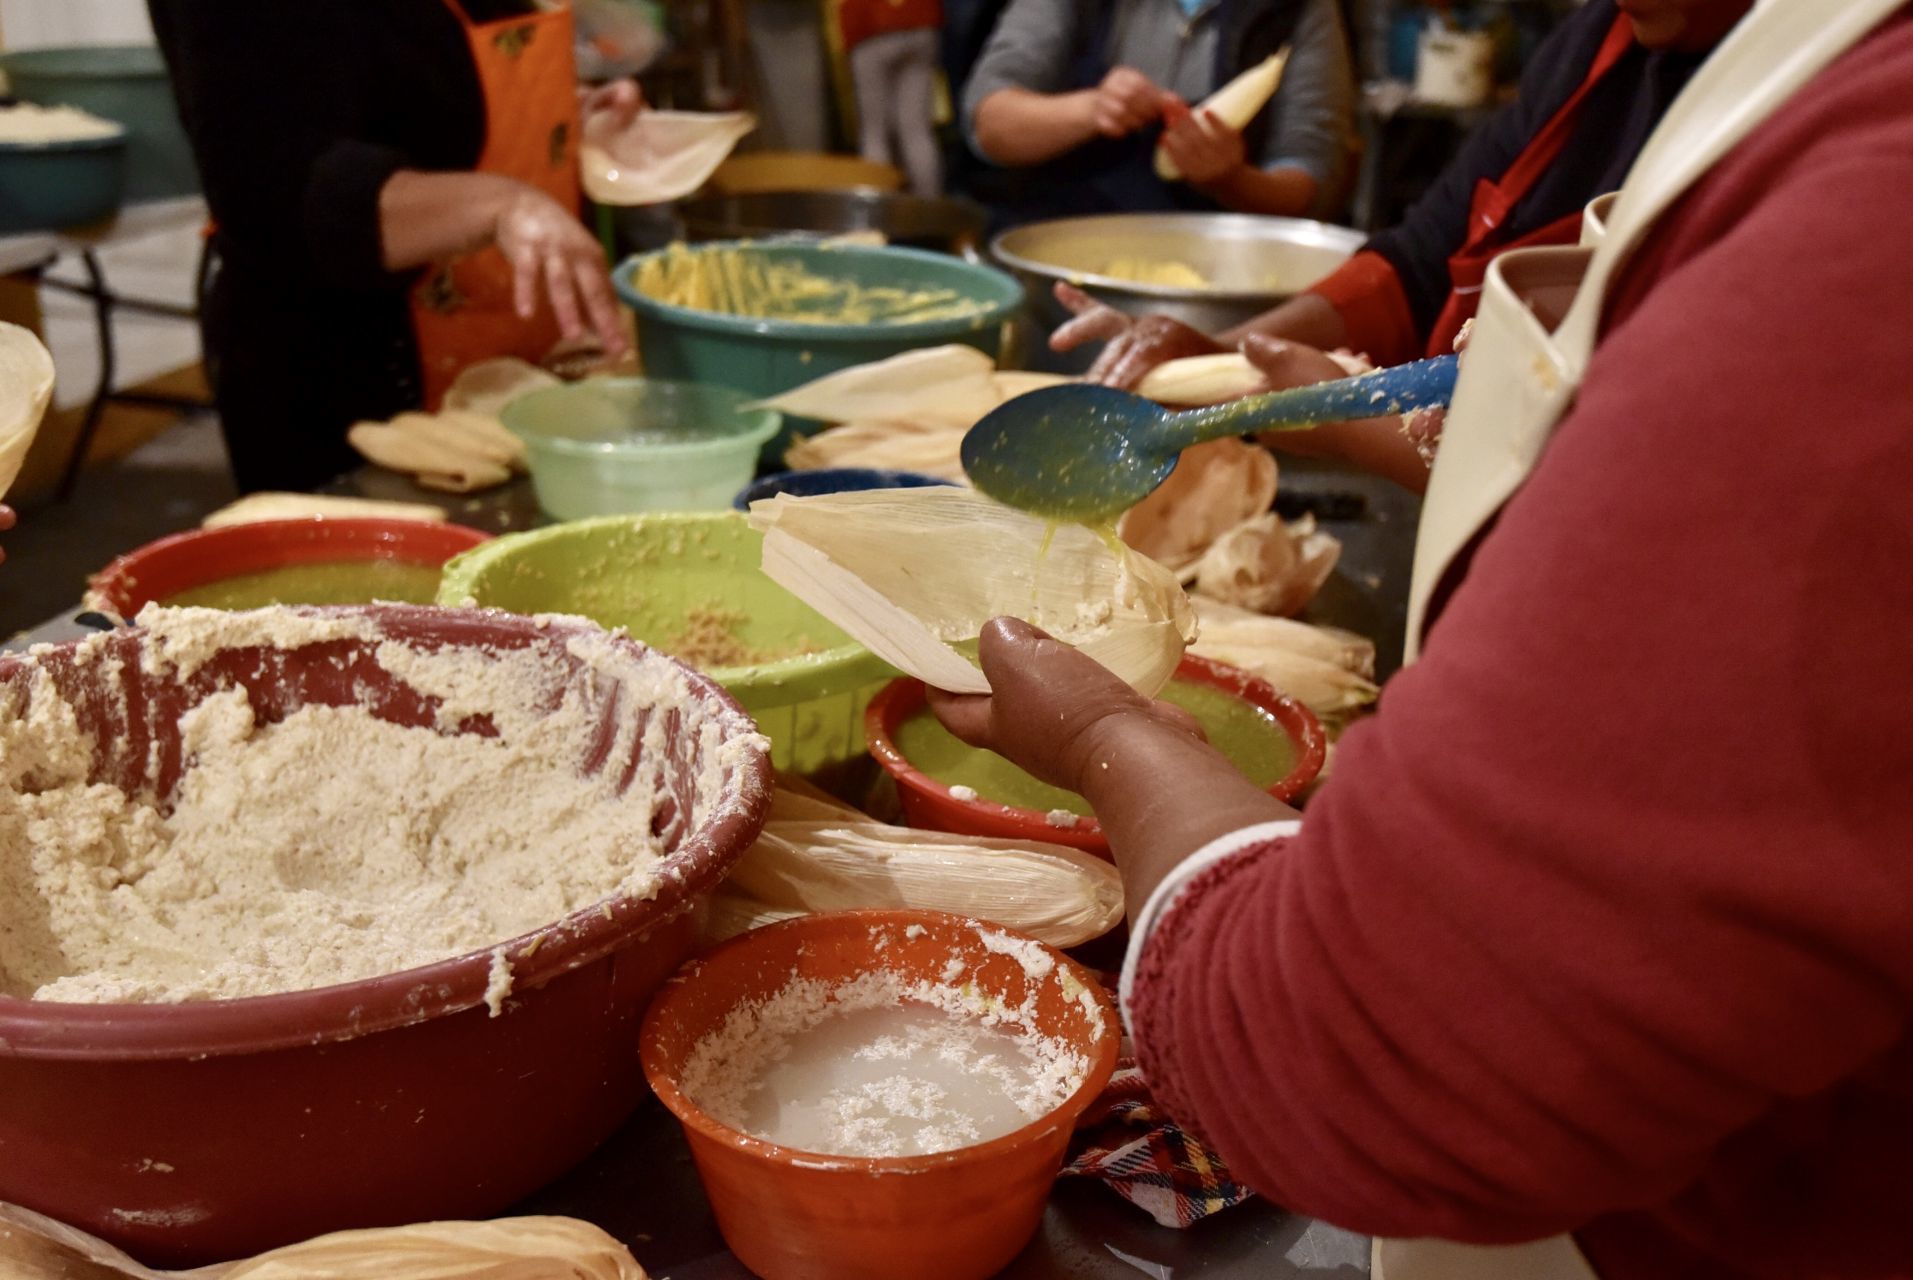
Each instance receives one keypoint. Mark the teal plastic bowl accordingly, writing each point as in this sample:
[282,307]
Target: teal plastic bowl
[763,357]
[46,186]
[123,83]
[614,446]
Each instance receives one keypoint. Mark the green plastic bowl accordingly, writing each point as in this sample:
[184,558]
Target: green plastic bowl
[125,83]
[611,446]
[47,186]
[648,573]
[765,357]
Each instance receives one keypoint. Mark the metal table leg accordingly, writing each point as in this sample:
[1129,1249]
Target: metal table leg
[103,388]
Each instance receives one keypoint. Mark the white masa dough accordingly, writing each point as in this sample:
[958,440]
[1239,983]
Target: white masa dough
[330,846]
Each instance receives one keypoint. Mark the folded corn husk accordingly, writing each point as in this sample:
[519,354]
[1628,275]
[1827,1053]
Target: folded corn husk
[489,385]
[35,1247]
[816,856]
[432,462]
[465,434]
[1265,565]
[887,446]
[1215,487]
[1200,380]
[911,572]
[660,156]
[26,388]
[1235,103]
[255,507]
[948,385]
[1327,669]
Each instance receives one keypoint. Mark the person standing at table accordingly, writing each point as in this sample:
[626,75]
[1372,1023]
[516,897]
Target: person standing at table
[1589,98]
[394,187]
[1072,96]
[892,49]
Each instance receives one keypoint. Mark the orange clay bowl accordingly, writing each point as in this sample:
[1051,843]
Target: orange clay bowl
[929,805]
[956,1215]
[200,557]
[214,1129]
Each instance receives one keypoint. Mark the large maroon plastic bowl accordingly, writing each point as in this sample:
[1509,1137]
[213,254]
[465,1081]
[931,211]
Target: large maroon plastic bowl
[204,1131]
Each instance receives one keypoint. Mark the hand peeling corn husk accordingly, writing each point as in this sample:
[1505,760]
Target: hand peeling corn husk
[1236,104]
[911,572]
[1329,670]
[26,388]
[816,856]
[1215,487]
[1265,565]
[35,1247]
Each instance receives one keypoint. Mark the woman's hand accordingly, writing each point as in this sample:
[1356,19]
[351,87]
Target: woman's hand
[550,250]
[1125,101]
[6,523]
[1052,708]
[1208,152]
[611,107]
[1133,345]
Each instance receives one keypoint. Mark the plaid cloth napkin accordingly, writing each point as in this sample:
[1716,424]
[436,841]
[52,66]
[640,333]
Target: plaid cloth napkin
[1132,1146]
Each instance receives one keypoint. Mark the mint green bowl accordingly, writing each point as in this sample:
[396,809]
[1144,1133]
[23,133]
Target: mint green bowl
[612,446]
[764,357]
[649,574]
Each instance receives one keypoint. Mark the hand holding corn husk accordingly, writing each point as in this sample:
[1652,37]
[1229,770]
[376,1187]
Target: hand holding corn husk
[35,1247]
[815,855]
[454,450]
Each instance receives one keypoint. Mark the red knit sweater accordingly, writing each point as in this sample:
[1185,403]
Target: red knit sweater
[1605,923]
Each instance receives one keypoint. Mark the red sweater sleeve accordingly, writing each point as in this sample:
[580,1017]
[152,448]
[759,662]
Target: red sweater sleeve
[1620,873]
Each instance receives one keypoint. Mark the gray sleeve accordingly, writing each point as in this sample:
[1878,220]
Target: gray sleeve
[1315,107]
[1029,49]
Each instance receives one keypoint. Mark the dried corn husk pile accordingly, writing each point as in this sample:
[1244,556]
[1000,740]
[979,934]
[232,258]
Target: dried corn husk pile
[453,450]
[35,1247]
[817,855]
[909,573]
[1329,670]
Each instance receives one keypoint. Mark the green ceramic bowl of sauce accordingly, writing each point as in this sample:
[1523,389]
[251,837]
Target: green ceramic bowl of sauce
[945,785]
[315,561]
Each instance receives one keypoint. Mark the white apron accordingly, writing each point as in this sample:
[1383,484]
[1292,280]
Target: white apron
[1540,315]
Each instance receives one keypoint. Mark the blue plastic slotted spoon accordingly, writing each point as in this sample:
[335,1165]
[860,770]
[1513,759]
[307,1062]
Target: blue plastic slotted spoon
[1088,453]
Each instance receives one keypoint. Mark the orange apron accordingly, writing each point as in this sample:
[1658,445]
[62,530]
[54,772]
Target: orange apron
[462,310]
[1494,201]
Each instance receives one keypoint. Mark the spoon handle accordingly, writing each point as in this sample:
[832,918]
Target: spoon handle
[1421,384]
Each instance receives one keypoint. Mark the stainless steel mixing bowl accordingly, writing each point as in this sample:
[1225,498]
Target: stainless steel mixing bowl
[1252,262]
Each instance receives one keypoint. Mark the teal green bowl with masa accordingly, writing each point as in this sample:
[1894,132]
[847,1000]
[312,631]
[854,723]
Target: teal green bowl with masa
[766,355]
[688,583]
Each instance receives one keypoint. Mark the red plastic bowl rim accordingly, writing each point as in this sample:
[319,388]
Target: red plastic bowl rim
[1102,1065]
[902,696]
[44,1029]
[117,586]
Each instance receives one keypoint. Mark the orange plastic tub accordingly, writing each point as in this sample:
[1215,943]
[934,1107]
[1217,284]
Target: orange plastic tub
[957,1215]
[188,1133]
[930,805]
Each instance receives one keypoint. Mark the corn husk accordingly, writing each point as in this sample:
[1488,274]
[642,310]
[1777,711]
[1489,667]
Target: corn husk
[815,856]
[889,446]
[1267,566]
[26,388]
[1330,671]
[434,462]
[949,385]
[466,433]
[35,1247]
[255,507]
[1235,103]
[659,156]
[1215,487]
[1200,380]
[912,572]
[489,385]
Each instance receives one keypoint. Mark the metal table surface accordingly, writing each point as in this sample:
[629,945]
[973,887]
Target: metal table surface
[640,1185]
